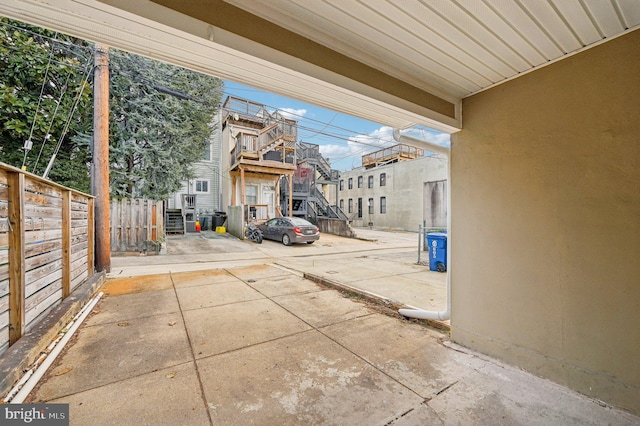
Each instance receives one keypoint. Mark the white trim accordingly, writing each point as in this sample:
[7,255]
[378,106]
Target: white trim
[195,186]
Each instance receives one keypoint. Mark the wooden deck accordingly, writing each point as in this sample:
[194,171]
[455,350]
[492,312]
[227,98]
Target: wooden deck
[392,154]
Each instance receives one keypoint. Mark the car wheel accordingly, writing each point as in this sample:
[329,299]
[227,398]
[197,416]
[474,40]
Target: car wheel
[310,242]
[286,240]
[259,239]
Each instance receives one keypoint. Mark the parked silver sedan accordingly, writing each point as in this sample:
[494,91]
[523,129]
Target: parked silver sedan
[290,230]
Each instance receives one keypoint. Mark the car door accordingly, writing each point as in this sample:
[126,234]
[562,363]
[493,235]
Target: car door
[280,229]
[270,229]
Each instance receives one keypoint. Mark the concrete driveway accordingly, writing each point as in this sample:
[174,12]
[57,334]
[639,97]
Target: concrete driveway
[256,343]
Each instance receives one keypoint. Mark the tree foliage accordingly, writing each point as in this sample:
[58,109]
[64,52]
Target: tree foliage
[28,54]
[162,118]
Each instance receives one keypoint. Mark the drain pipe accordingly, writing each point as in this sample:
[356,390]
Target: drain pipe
[430,146]
[24,387]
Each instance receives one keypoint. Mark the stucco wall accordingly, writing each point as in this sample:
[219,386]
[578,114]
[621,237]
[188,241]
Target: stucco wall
[403,191]
[546,222]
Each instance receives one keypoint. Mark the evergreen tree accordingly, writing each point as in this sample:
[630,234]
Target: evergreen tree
[162,117]
[42,77]
[160,122]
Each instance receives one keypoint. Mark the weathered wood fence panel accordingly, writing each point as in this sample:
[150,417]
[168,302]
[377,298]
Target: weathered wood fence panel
[46,231]
[137,225]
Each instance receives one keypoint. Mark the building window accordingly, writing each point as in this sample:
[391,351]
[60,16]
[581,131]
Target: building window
[359,207]
[342,205]
[206,156]
[202,186]
[383,204]
[341,184]
[350,205]
[251,194]
[370,205]
[383,179]
[370,182]
[359,181]
[350,183]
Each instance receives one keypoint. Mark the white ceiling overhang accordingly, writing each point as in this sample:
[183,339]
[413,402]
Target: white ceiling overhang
[398,63]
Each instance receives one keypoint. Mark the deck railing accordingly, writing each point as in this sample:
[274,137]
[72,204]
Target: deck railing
[399,151]
[46,248]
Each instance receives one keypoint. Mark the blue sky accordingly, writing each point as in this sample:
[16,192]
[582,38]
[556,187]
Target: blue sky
[343,139]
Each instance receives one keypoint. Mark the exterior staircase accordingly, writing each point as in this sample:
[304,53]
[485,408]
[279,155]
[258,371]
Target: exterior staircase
[174,223]
[324,207]
[311,154]
[307,200]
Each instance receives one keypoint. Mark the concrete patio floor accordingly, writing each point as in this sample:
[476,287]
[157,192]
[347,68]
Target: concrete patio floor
[259,344]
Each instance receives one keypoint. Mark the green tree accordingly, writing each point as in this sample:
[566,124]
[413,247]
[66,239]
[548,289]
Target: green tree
[162,117]
[42,76]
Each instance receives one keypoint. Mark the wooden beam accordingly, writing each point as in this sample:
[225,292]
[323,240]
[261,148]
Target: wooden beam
[154,223]
[100,182]
[290,196]
[16,256]
[242,186]
[66,244]
[266,173]
[278,208]
[233,190]
[275,166]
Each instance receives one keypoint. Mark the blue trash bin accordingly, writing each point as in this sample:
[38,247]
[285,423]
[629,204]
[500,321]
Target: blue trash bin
[437,243]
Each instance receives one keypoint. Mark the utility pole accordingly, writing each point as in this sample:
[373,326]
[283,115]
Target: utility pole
[100,163]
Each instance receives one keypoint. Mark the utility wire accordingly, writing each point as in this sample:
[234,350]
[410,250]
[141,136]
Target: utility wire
[68,123]
[55,112]
[27,146]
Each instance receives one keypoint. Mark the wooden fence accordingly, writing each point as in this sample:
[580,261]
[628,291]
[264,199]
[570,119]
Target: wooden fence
[137,225]
[46,248]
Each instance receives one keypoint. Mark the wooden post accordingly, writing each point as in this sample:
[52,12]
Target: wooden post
[66,243]
[154,223]
[16,256]
[291,195]
[278,209]
[100,181]
[233,190]
[242,198]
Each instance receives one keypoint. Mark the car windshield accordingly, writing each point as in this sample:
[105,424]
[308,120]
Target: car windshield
[296,221]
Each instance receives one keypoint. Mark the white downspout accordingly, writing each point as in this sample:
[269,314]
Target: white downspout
[430,146]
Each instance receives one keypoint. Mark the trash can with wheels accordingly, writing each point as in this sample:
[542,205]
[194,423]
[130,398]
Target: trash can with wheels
[437,243]
[218,219]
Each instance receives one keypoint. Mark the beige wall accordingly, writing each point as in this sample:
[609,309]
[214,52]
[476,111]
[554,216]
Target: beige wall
[403,191]
[546,222]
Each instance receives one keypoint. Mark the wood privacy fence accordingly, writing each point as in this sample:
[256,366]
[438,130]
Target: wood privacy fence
[46,248]
[137,225]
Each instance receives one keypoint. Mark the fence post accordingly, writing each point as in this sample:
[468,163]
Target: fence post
[66,243]
[16,256]
[91,240]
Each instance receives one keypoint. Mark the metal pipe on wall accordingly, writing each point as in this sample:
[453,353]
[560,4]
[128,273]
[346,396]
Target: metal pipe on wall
[430,146]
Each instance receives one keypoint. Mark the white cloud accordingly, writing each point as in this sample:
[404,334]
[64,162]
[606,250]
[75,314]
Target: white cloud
[345,157]
[378,139]
[443,139]
[293,114]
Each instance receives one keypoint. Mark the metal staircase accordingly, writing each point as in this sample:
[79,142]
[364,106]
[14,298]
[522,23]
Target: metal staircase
[324,207]
[308,201]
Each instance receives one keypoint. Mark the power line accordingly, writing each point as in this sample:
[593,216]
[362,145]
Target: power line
[68,123]
[28,143]
[53,117]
